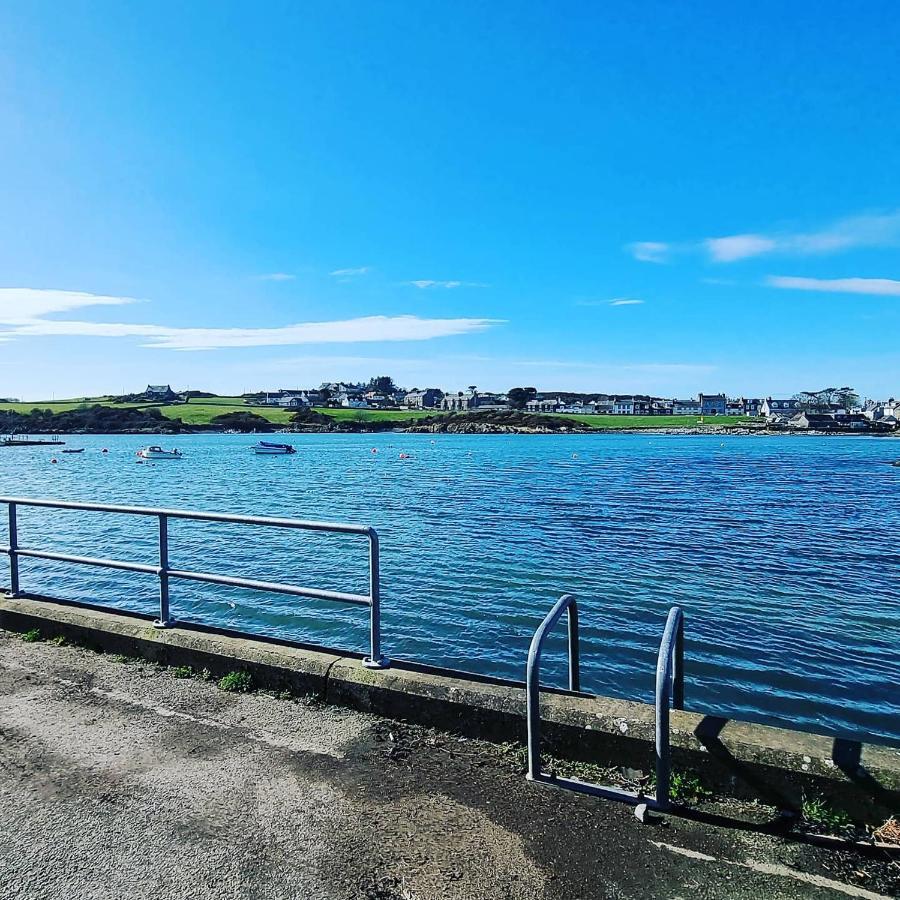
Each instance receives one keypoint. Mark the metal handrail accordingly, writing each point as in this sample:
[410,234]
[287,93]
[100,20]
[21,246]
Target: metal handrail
[669,691]
[533,674]
[164,572]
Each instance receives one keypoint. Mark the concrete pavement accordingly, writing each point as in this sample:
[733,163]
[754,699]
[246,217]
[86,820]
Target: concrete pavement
[120,780]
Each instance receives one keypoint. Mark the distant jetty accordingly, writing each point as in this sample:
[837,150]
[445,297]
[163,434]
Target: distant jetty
[17,441]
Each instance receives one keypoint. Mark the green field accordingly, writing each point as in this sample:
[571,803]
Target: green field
[202,410]
[657,421]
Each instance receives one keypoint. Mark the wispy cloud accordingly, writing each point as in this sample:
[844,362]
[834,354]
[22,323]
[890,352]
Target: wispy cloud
[350,273]
[650,251]
[738,246]
[884,287]
[615,301]
[277,276]
[867,230]
[23,305]
[425,283]
[22,312]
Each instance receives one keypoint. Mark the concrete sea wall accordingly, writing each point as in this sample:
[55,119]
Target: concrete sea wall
[775,765]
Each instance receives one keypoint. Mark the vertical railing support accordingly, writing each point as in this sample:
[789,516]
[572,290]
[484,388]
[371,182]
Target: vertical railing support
[574,655]
[669,691]
[678,672]
[13,552]
[375,659]
[569,605]
[164,620]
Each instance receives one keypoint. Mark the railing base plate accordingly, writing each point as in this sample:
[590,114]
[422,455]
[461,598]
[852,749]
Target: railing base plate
[159,623]
[381,663]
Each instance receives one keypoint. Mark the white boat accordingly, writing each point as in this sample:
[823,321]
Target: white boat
[270,448]
[158,453]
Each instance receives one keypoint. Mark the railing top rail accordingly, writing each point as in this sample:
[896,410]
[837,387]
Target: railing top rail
[272,521]
[549,623]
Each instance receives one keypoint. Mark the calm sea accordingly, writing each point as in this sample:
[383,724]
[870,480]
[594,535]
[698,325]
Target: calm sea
[783,552]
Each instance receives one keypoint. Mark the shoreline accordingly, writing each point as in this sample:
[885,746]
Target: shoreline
[482,429]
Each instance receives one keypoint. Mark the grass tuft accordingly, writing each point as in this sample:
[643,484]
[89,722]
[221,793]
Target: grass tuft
[31,636]
[685,788]
[819,813]
[183,672]
[236,683]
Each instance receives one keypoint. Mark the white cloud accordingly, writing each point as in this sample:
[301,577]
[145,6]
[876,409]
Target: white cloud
[625,301]
[867,230]
[22,305]
[22,311]
[277,276]
[738,246]
[425,284]
[351,273]
[650,251]
[884,287]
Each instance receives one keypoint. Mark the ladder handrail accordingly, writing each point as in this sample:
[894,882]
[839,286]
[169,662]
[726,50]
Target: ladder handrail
[566,603]
[669,691]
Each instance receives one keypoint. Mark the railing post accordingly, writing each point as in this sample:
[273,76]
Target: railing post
[568,604]
[678,671]
[574,665]
[375,659]
[164,620]
[13,554]
[533,706]
[669,666]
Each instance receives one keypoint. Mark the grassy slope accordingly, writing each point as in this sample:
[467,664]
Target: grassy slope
[202,410]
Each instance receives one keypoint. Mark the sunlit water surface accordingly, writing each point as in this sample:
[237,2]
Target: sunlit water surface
[783,552]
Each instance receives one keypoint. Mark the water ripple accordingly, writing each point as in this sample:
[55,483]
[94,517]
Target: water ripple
[783,553]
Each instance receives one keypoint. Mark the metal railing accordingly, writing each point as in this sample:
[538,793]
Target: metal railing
[669,692]
[165,573]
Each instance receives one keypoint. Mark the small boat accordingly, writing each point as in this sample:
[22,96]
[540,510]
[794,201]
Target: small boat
[269,448]
[73,450]
[158,453]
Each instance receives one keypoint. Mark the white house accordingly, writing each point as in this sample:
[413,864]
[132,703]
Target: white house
[779,408]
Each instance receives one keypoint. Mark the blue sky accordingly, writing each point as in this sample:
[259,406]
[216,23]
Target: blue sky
[655,197]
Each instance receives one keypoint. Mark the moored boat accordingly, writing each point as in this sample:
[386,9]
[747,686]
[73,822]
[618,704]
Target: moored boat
[73,450]
[269,448]
[158,453]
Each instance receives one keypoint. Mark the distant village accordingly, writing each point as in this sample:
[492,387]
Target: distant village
[829,410]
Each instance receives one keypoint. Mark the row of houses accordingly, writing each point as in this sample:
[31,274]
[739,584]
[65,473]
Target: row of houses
[840,421]
[360,396]
[643,405]
[834,417]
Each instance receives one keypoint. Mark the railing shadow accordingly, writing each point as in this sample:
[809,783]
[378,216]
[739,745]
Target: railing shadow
[846,755]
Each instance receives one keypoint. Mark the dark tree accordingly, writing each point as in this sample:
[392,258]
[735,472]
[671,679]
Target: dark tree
[384,384]
[847,398]
[828,398]
[519,396]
